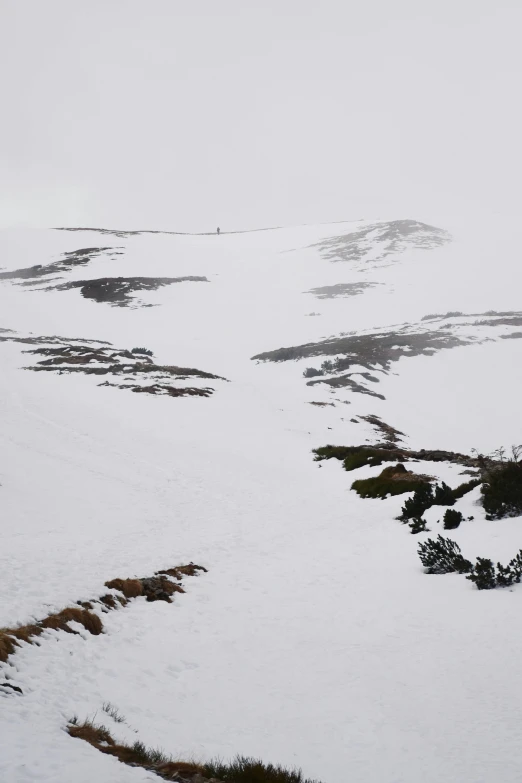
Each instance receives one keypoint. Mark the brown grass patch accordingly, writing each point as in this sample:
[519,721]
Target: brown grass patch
[109,601]
[400,473]
[88,731]
[172,769]
[131,588]
[189,570]
[8,645]
[174,572]
[59,621]
[25,632]
[85,604]
[155,588]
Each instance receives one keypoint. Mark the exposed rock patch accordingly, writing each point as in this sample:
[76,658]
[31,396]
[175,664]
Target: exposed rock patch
[373,244]
[351,359]
[33,274]
[340,290]
[119,291]
[135,369]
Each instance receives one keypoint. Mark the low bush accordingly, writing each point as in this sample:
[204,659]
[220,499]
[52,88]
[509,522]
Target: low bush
[483,574]
[443,556]
[485,577]
[426,496]
[144,351]
[452,519]
[502,491]
[311,372]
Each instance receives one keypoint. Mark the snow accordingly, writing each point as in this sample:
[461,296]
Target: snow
[315,639]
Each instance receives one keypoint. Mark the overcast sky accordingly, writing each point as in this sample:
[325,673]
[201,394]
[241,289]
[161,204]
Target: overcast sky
[242,113]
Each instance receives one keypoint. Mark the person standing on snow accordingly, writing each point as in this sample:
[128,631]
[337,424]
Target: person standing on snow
[218,232]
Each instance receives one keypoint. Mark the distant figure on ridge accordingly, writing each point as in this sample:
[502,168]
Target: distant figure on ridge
[218,230]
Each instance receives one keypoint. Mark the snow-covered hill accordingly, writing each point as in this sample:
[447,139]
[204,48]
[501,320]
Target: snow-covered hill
[315,639]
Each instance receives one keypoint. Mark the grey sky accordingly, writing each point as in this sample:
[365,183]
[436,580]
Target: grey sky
[186,115]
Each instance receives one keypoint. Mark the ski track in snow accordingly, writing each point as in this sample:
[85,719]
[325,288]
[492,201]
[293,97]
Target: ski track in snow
[314,639]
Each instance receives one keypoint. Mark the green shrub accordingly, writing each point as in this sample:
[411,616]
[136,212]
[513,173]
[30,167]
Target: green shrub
[443,495]
[381,487]
[452,519]
[144,351]
[485,577]
[418,525]
[502,491]
[483,574]
[426,496]
[420,502]
[311,372]
[443,556]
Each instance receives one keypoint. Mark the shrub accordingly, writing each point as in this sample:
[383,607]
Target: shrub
[452,519]
[420,502]
[483,574]
[443,495]
[311,372]
[463,489]
[502,491]
[485,577]
[418,525]
[443,556]
[144,351]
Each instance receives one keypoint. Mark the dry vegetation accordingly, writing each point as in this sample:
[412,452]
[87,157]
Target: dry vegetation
[240,770]
[159,587]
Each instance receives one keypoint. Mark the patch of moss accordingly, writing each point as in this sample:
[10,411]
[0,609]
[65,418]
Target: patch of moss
[354,457]
[463,489]
[332,452]
[381,487]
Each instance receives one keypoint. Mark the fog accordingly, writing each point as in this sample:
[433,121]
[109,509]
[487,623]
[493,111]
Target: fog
[185,116]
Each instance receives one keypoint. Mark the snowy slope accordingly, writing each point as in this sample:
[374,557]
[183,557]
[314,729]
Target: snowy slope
[315,638]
